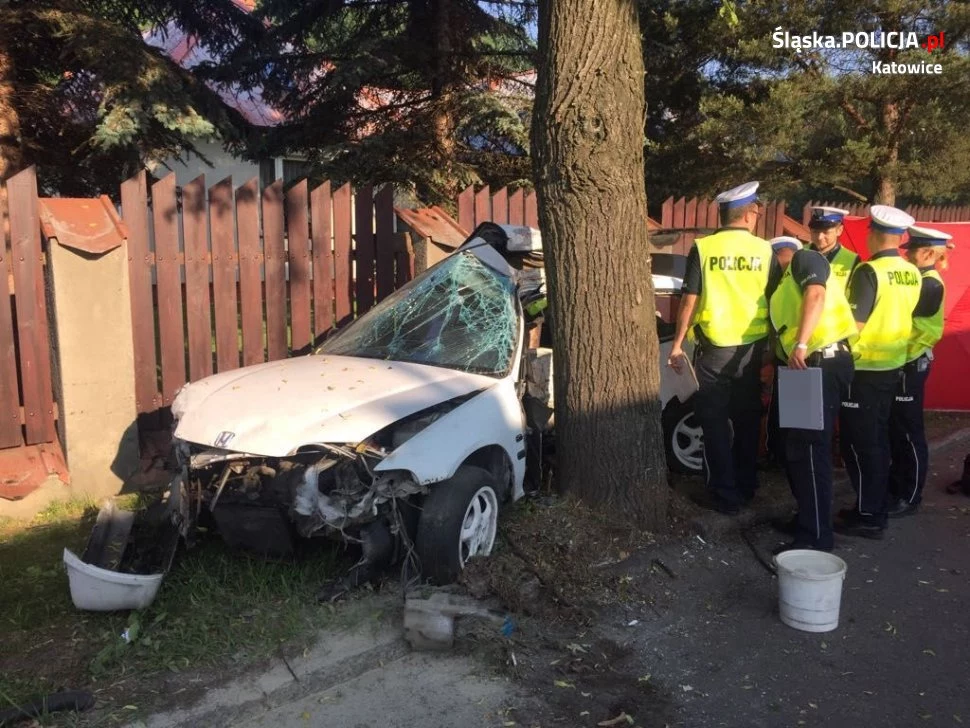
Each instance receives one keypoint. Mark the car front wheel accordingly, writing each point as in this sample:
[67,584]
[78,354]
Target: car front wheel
[459,521]
[683,438]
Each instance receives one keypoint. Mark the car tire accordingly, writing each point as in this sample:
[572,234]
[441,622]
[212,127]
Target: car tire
[459,521]
[683,441]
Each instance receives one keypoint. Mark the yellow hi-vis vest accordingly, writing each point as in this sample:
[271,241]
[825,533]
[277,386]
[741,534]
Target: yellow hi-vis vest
[733,307]
[841,266]
[884,339]
[927,330]
[835,324]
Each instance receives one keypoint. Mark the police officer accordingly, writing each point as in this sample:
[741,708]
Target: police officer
[910,455]
[814,327]
[725,305]
[883,293]
[783,248]
[826,226]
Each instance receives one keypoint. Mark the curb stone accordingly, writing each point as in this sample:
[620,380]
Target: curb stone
[336,659]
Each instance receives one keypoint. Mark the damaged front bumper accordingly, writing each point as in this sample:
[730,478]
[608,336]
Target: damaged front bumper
[262,503]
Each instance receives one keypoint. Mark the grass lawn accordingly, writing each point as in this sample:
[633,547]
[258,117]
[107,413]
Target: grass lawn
[217,609]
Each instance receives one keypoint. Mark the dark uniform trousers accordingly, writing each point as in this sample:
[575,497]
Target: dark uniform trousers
[865,440]
[808,453]
[907,436]
[729,393]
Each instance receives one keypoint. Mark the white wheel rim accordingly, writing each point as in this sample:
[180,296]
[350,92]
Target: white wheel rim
[687,442]
[479,526]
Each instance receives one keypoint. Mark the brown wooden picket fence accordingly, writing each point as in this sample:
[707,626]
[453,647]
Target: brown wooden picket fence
[922,213]
[516,208]
[519,208]
[703,213]
[223,277]
[27,405]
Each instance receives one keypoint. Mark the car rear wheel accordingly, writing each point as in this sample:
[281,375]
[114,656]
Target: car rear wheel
[459,521]
[683,438]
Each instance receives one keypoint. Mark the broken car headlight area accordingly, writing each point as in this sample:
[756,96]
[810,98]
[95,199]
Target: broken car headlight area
[260,503]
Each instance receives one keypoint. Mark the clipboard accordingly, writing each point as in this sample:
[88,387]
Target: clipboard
[684,383]
[800,403]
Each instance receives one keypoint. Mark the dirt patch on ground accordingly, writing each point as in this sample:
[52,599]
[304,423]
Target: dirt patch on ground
[560,560]
[943,424]
[581,680]
[563,569]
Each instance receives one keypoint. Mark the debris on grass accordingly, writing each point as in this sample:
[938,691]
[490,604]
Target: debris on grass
[666,569]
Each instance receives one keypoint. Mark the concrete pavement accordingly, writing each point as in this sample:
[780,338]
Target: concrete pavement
[901,654]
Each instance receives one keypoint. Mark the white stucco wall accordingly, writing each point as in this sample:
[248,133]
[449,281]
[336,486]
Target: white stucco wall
[221,165]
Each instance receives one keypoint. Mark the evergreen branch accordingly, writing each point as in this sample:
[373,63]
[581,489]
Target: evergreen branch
[853,113]
[851,193]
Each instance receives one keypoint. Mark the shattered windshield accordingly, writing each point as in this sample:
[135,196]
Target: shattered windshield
[460,314]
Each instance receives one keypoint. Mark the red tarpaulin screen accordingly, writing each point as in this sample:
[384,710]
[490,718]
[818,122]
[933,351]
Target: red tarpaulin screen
[948,387]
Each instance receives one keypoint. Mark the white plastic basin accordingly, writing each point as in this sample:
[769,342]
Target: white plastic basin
[101,590]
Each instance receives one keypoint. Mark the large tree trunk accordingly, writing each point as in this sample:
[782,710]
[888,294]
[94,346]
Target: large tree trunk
[886,174]
[442,95]
[588,151]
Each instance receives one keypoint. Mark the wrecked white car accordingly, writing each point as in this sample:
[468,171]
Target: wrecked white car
[405,432]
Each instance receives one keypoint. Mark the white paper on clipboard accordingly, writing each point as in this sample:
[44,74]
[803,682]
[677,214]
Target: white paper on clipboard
[800,403]
[684,382]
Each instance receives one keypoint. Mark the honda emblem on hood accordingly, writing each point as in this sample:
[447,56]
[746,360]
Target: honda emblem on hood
[223,438]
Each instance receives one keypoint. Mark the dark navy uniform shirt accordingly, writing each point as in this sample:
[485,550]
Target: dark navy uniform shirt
[809,268]
[930,295]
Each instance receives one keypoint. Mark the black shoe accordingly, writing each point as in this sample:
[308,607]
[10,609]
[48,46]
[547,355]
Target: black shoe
[796,545]
[903,507]
[963,484]
[786,526]
[714,502]
[860,529]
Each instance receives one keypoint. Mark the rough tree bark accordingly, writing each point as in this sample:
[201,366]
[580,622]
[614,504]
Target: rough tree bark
[588,151]
[10,152]
[442,93]
[884,177]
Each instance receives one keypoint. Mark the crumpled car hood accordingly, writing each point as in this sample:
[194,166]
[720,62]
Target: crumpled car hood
[272,409]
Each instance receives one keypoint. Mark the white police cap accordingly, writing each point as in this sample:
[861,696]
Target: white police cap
[825,217]
[740,195]
[785,241]
[920,237]
[890,219]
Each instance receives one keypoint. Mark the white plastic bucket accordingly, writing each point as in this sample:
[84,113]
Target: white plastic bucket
[810,589]
[101,590]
